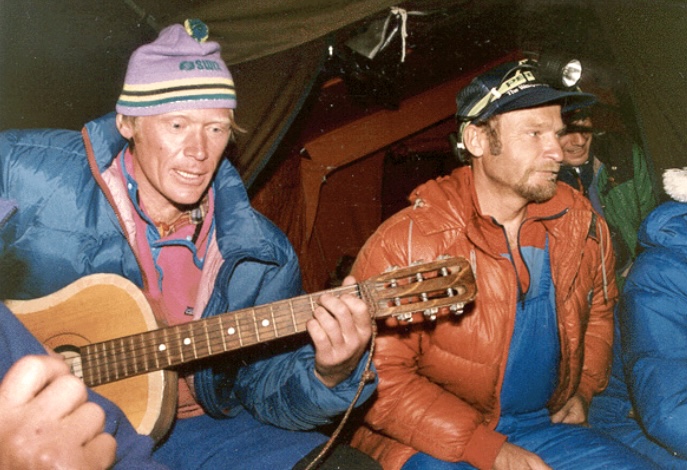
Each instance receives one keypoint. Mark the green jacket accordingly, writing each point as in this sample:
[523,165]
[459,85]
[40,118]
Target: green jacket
[626,191]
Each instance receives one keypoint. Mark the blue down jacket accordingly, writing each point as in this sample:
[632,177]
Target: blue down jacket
[647,387]
[67,227]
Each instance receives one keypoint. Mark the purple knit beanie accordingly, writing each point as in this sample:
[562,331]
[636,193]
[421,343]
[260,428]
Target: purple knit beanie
[177,71]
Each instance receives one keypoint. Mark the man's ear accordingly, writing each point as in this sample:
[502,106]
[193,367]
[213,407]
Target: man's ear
[125,126]
[473,139]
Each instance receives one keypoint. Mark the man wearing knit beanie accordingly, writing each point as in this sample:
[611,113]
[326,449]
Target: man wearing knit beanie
[147,195]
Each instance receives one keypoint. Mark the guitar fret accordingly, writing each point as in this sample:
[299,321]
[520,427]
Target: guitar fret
[107,373]
[293,316]
[274,322]
[106,364]
[312,303]
[182,358]
[132,349]
[103,368]
[191,339]
[98,366]
[222,332]
[157,345]
[86,362]
[123,364]
[256,326]
[175,346]
[116,365]
[141,354]
[238,330]
[208,346]
[165,349]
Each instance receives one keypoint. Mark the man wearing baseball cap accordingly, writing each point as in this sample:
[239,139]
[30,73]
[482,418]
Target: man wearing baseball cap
[146,194]
[506,384]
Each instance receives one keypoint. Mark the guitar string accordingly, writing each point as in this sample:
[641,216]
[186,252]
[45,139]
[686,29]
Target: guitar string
[145,351]
[298,310]
[285,313]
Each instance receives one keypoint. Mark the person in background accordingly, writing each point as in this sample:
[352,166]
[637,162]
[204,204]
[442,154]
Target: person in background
[645,404]
[146,194]
[48,418]
[612,171]
[507,384]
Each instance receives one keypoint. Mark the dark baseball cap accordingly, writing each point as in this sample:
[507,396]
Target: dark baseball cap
[512,86]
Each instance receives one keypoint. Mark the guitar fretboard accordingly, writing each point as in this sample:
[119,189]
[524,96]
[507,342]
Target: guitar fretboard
[164,348]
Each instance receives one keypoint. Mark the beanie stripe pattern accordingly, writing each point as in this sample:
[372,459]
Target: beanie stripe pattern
[157,94]
[178,71]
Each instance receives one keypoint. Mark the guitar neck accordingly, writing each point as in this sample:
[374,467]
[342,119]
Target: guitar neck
[165,348]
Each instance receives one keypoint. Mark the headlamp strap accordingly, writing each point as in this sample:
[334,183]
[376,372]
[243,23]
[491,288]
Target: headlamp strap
[520,78]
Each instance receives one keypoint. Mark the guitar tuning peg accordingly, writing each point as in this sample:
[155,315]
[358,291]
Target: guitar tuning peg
[444,256]
[391,268]
[457,309]
[417,262]
[405,317]
[431,313]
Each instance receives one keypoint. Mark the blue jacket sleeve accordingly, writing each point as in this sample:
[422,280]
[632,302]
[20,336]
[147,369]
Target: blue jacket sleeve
[653,321]
[282,390]
[285,392]
[133,450]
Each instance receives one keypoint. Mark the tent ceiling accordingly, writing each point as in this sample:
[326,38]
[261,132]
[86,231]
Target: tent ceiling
[63,62]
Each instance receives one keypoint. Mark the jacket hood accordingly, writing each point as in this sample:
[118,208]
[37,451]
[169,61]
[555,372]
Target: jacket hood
[666,226]
[105,139]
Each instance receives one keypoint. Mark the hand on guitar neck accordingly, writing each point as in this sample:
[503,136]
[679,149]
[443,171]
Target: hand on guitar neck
[46,421]
[340,329]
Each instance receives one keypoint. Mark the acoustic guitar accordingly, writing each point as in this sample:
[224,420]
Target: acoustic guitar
[105,329]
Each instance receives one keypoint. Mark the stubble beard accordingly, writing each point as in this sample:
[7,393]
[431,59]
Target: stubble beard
[533,192]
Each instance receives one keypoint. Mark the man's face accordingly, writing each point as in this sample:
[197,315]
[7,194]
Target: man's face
[530,157]
[576,144]
[176,155]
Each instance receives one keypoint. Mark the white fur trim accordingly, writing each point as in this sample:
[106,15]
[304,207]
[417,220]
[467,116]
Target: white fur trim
[675,183]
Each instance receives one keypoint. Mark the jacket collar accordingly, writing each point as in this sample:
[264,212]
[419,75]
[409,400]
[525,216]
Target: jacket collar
[105,140]
[455,208]
[455,200]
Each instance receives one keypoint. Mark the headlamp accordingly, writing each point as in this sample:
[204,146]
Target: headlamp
[571,73]
[559,74]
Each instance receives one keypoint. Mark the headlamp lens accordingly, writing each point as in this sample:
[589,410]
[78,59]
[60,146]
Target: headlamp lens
[571,73]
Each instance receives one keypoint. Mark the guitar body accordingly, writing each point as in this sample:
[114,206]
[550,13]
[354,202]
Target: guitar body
[105,329]
[98,308]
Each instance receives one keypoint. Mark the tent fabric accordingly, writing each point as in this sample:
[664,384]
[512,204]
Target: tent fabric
[271,91]
[66,62]
[250,29]
[648,39]
[63,64]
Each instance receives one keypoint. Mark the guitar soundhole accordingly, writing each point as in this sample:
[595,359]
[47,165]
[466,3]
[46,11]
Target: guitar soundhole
[72,356]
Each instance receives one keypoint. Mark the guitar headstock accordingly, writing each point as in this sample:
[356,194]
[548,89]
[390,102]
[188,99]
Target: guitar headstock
[432,288]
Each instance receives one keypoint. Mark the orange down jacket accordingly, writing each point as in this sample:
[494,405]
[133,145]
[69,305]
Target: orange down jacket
[440,385]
